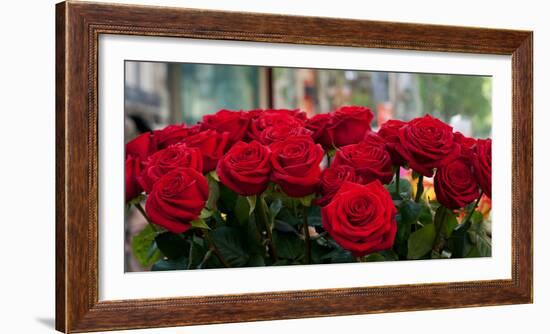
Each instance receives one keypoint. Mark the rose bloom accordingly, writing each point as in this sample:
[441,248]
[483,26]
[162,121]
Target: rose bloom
[233,122]
[245,168]
[349,124]
[212,146]
[372,138]
[166,160]
[173,134]
[132,170]
[176,199]
[295,162]
[281,132]
[455,184]
[274,117]
[427,143]
[482,165]
[361,218]
[390,132]
[142,146]
[318,125]
[332,179]
[370,161]
[467,144]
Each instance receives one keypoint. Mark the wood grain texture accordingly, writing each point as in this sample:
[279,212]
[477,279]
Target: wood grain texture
[78,28]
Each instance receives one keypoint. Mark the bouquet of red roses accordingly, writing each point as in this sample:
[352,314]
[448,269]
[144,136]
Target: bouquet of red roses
[274,187]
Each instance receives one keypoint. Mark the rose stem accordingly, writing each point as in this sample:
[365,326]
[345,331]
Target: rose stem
[328,159]
[470,214]
[419,188]
[307,238]
[190,259]
[206,258]
[142,211]
[397,180]
[214,248]
[263,218]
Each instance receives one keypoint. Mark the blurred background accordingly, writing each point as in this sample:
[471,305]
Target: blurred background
[157,94]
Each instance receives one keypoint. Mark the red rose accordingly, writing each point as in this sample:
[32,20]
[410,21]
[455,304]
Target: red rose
[295,162]
[177,198]
[427,143]
[466,144]
[361,218]
[173,134]
[318,125]
[212,146]
[372,138]
[166,160]
[371,162]
[245,168]
[132,169]
[332,179]
[281,132]
[233,122]
[349,124]
[142,146]
[390,132]
[455,185]
[275,117]
[482,165]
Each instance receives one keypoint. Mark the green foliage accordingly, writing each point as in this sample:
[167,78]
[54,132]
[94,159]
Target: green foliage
[144,247]
[231,246]
[421,242]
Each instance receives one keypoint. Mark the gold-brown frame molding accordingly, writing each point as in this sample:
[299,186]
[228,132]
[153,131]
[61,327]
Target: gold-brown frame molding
[78,27]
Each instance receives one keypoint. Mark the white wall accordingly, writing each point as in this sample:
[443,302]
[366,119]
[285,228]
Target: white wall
[27,164]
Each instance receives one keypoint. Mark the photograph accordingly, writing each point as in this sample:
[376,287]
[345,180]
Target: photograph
[232,166]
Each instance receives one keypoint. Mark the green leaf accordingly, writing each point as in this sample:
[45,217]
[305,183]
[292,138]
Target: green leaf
[251,203]
[306,200]
[214,175]
[405,189]
[409,212]
[228,199]
[482,242]
[166,264]
[314,216]
[172,245]
[274,209]
[242,210]
[375,257]
[256,260]
[200,223]
[229,242]
[286,216]
[289,246]
[213,192]
[421,242]
[205,213]
[339,255]
[136,200]
[144,247]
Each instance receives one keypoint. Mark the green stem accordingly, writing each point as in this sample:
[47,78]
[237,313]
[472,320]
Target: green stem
[307,238]
[359,259]
[263,218]
[205,259]
[328,159]
[214,248]
[190,260]
[144,214]
[419,188]
[397,180]
[470,214]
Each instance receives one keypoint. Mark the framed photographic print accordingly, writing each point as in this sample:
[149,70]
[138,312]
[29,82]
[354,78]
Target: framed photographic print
[301,167]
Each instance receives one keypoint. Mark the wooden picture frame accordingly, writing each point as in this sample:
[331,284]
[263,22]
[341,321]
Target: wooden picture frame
[78,27]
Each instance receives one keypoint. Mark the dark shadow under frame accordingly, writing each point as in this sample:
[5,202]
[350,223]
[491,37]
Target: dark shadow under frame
[78,26]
